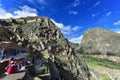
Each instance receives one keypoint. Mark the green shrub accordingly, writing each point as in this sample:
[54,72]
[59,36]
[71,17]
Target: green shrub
[18,30]
[96,53]
[110,54]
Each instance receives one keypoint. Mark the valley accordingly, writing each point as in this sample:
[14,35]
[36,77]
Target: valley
[102,69]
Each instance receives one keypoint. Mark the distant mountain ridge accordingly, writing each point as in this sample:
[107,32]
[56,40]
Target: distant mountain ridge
[100,40]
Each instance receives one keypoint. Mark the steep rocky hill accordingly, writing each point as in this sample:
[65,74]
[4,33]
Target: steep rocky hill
[42,35]
[101,40]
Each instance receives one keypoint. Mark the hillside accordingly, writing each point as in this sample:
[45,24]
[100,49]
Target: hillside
[98,40]
[42,37]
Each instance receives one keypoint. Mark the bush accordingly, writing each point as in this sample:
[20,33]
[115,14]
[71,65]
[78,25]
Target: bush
[96,53]
[18,30]
[110,54]
[93,53]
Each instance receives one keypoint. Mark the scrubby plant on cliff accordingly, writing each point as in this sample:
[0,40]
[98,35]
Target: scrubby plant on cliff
[110,54]
[34,42]
[57,61]
[96,53]
[18,30]
[81,51]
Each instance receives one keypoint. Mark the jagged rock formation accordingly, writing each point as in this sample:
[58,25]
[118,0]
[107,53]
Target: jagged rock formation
[5,34]
[100,40]
[41,34]
[74,45]
[6,40]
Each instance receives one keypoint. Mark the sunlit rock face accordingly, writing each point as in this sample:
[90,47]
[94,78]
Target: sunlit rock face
[41,34]
[100,40]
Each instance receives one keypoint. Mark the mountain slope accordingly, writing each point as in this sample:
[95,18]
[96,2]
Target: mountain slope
[41,34]
[100,40]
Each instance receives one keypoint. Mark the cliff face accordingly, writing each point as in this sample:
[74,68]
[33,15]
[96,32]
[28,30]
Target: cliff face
[41,34]
[6,40]
[100,40]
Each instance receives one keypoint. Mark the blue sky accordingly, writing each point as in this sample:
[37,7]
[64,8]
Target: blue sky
[73,17]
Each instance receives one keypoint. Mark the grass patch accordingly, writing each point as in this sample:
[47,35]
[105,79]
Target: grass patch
[105,76]
[92,65]
[96,62]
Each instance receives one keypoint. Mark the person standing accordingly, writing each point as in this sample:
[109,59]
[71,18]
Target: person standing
[15,52]
[3,53]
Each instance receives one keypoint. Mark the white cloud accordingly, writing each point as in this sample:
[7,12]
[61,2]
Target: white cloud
[97,3]
[66,29]
[41,4]
[93,15]
[76,28]
[24,12]
[107,14]
[76,3]
[77,39]
[73,12]
[4,14]
[116,23]
[41,1]
[118,31]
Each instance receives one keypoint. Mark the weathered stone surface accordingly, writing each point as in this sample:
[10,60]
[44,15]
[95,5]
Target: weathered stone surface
[2,67]
[7,40]
[41,34]
[15,76]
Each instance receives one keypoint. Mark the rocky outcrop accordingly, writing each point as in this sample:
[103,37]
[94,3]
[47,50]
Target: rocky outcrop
[41,34]
[5,34]
[8,41]
[100,40]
